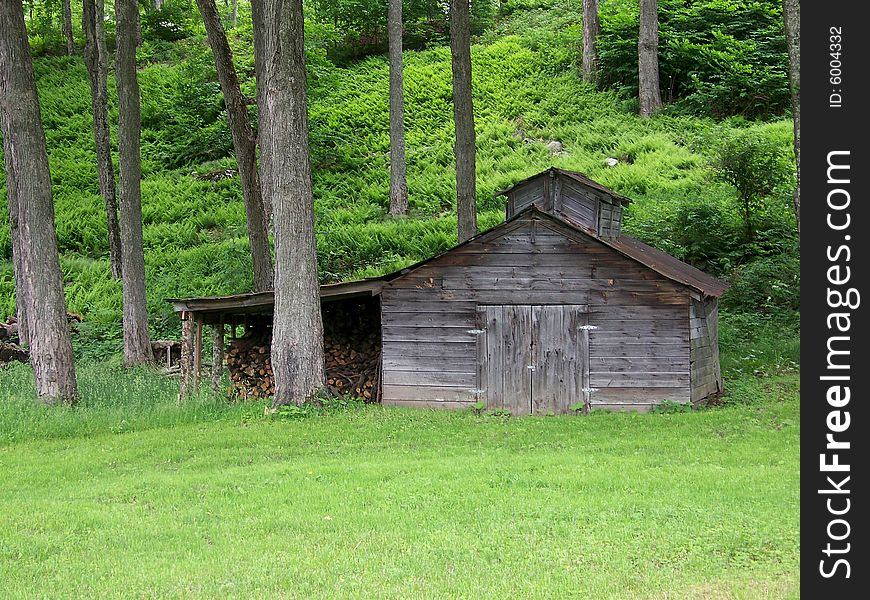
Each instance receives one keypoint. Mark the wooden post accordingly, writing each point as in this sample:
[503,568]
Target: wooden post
[186,354]
[217,357]
[197,356]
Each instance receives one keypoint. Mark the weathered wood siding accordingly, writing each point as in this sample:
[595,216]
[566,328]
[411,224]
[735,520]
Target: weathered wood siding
[609,220]
[535,192]
[577,203]
[638,351]
[705,371]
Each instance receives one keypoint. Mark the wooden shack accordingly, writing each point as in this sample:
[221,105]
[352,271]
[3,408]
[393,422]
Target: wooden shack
[555,310]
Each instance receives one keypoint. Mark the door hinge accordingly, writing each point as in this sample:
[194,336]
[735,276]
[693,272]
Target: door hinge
[589,390]
[588,327]
[476,331]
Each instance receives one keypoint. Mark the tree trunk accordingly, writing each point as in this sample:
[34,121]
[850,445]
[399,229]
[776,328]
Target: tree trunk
[398,183]
[234,13]
[97,63]
[244,143]
[20,263]
[29,186]
[297,329]
[258,26]
[648,58]
[791,12]
[463,118]
[591,29]
[137,344]
[158,4]
[67,28]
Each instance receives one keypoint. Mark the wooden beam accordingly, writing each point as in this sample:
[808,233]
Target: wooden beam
[217,357]
[197,355]
[187,337]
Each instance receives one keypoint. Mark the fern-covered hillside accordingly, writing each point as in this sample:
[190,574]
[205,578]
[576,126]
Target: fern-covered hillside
[527,94]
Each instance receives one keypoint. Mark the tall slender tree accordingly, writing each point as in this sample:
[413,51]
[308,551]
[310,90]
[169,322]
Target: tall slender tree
[591,29]
[650,95]
[244,142]
[20,268]
[234,13]
[29,185]
[258,25]
[791,10]
[398,182]
[137,343]
[96,60]
[297,328]
[463,118]
[68,29]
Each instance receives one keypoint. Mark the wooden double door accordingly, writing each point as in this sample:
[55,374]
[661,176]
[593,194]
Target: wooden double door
[533,359]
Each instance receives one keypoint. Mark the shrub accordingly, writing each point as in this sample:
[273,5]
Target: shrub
[768,285]
[755,166]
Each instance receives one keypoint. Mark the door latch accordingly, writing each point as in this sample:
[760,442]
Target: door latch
[530,367]
[588,327]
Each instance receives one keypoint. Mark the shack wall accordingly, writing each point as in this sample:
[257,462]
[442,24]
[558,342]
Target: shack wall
[706,373]
[638,350]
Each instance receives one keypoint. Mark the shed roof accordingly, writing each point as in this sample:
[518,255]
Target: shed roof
[257,302]
[576,176]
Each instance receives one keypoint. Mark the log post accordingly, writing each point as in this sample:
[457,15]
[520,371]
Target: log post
[186,354]
[197,356]
[217,357]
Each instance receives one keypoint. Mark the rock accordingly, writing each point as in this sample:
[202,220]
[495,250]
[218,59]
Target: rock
[611,162]
[555,147]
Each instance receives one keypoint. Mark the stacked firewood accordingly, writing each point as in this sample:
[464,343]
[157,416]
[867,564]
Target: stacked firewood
[351,349]
[352,363]
[9,344]
[249,365]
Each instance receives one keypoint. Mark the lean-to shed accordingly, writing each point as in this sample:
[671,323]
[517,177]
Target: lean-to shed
[553,310]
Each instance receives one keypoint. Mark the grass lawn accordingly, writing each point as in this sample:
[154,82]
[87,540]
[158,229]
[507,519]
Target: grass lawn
[377,502]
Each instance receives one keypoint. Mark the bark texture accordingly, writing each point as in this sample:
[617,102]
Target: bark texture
[463,118]
[29,183]
[650,95]
[591,28]
[244,143]
[297,330]
[398,182]
[67,28]
[137,343]
[20,264]
[791,11]
[96,60]
[258,26]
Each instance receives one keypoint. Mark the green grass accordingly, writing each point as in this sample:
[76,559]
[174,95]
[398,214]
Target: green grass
[380,502]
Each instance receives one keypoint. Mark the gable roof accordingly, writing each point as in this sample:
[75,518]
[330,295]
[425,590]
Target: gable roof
[576,176]
[662,263]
